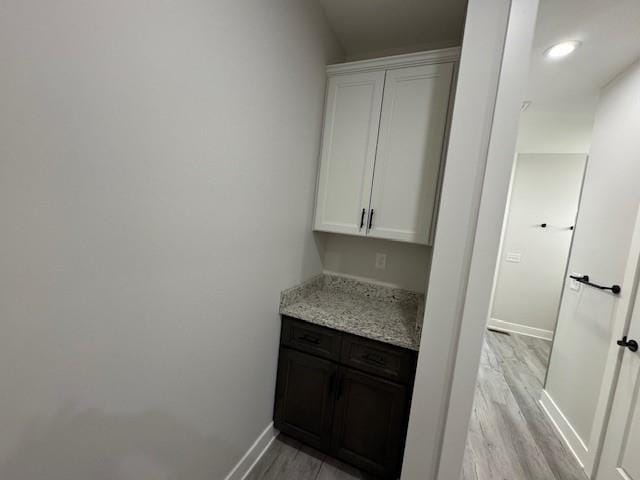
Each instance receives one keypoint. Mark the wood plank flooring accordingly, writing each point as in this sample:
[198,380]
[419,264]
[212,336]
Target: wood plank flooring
[510,437]
[288,459]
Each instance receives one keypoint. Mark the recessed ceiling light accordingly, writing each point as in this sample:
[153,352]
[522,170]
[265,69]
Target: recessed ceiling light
[562,49]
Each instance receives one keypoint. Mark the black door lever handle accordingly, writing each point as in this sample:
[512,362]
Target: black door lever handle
[630,344]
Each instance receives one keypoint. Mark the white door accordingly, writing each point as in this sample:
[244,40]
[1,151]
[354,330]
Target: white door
[352,114]
[621,451]
[410,146]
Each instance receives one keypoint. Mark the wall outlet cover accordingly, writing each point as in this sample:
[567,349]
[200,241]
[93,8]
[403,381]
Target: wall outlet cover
[381,261]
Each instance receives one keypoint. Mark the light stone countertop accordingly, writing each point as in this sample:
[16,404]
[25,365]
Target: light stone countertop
[372,311]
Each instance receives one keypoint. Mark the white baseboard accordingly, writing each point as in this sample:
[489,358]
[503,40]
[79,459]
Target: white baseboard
[520,329]
[570,437]
[254,454]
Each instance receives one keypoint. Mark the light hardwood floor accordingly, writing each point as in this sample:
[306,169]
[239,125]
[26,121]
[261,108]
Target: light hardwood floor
[287,459]
[510,438]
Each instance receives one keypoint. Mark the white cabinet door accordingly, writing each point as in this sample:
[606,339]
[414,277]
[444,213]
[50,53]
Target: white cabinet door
[352,114]
[410,146]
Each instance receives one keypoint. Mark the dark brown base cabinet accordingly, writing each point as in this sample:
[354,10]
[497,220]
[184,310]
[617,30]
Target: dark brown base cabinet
[344,395]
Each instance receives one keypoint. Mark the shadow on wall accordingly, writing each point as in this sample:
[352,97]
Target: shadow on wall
[92,445]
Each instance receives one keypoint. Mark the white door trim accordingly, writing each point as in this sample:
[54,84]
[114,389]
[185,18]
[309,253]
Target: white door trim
[474,193]
[497,178]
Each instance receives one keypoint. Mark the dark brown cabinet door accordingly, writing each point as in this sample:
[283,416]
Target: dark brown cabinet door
[369,422]
[305,397]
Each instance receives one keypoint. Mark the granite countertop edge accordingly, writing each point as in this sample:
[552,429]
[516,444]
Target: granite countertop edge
[408,309]
[337,325]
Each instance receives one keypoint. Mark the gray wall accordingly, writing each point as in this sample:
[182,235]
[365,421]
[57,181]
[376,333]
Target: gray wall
[603,235]
[564,129]
[407,264]
[157,172]
[545,188]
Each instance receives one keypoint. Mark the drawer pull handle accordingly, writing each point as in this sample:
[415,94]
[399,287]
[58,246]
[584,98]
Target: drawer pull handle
[310,339]
[377,360]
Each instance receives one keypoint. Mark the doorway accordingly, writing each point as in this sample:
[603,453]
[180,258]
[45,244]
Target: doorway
[510,435]
[537,236]
[541,408]
[539,226]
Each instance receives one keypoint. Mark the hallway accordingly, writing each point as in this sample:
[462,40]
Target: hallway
[510,436]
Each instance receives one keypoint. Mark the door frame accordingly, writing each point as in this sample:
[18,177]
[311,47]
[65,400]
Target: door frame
[491,86]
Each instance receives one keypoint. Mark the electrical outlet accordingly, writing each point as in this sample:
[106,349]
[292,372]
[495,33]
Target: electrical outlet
[381,260]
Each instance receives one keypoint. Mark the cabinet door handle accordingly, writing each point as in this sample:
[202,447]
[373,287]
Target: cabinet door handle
[376,360]
[310,339]
[362,218]
[370,219]
[340,385]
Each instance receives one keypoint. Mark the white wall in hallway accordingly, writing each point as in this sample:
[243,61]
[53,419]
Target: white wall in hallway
[545,189]
[157,173]
[602,238]
[563,129]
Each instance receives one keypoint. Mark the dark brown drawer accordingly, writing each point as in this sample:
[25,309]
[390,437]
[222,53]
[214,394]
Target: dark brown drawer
[314,339]
[387,361]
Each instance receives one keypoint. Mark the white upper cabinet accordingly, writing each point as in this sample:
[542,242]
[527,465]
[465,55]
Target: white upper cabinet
[352,113]
[410,146]
[382,149]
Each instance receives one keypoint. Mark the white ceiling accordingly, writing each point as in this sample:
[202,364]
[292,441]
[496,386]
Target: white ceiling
[610,34]
[366,27]
[608,29]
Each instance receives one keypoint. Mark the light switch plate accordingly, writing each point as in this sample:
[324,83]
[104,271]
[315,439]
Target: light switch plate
[513,257]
